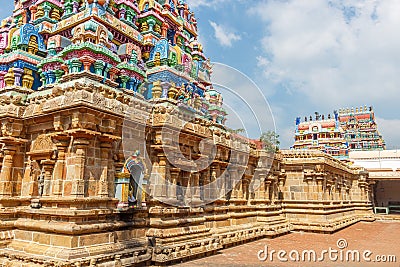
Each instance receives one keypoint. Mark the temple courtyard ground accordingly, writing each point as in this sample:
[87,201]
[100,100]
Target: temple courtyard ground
[362,244]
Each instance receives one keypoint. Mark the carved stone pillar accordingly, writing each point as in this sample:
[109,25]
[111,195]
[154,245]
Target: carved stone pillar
[320,189]
[6,171]
[310,186]
[268,195]
[240,188]
[324,190]
[202,181]
[162,171]
[76,172]
[59,168]
[207,184]
[29,182]
[214,183]
[220,183]
[261,190]
[1,160]
[105,158]
[174,176]
[363,184]
[158,176]
[339,188]
[48,166]
[233,176]
[187,193]
[194,186]
[245,188]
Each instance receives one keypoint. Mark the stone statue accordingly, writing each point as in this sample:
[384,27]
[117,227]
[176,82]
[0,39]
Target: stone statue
[41,183]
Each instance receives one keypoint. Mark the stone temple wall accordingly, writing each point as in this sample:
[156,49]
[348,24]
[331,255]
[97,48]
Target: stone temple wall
[64,149]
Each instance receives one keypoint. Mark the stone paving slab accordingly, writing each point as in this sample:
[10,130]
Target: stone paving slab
[380,238]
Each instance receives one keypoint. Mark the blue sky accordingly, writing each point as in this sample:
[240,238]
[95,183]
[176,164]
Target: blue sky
[307,55]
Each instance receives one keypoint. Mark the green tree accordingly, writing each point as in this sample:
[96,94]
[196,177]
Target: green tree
[270,140]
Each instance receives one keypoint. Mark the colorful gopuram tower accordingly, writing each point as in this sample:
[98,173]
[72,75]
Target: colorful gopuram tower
[133,45]
[348,130]
[360,129]
[321,133]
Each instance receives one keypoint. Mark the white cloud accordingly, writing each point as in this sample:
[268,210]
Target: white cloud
[341,52]
[224,36]
[390,128]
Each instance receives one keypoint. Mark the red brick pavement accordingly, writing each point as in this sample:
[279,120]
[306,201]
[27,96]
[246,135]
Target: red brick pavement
[381,238]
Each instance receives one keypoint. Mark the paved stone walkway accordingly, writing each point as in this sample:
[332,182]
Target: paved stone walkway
[381,238]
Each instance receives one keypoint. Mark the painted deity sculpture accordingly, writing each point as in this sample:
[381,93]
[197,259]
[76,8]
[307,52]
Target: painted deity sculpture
[3,41]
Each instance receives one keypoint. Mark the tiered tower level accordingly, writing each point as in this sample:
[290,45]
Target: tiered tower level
[360,129]
[114,150]
[321,133]
[337,134]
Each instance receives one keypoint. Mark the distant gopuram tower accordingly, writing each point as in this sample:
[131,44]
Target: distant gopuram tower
[346,130]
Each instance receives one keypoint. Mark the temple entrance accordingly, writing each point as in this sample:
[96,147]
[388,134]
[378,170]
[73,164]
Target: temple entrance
[386,193]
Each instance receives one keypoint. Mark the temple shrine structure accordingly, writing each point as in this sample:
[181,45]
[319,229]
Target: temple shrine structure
[337,134]
[360,129]
[114,149]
